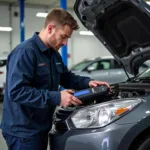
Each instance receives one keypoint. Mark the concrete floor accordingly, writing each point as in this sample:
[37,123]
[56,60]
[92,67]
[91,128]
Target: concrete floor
[2,142]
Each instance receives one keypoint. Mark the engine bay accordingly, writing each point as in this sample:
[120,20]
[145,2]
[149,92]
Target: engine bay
[129,89]
[122,90]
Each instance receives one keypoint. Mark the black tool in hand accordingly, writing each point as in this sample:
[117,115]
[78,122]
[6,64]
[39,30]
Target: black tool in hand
[91,93]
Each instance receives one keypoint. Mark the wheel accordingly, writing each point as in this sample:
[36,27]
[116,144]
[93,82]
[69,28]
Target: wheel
[145,145]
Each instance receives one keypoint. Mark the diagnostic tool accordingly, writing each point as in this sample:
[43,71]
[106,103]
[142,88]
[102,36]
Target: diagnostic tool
[91,93]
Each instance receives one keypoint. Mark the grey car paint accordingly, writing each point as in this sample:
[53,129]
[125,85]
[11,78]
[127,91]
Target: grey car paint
[131,130]
[118,135]
[111,76]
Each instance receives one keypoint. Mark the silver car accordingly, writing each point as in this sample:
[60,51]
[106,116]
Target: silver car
[104,69]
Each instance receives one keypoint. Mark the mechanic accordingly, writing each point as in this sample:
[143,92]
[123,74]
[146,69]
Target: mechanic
[34,71]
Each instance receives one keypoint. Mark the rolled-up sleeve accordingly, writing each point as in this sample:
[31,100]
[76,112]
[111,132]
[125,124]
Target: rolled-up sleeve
[20,77]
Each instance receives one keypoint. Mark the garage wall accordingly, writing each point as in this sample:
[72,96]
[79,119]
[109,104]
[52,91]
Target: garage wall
[32,24]
[86,46]
[79,46]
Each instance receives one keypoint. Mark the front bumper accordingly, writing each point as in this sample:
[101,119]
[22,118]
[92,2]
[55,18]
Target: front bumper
[118,135]
[107,138]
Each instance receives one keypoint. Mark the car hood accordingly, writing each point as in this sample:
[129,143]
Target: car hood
[122,26]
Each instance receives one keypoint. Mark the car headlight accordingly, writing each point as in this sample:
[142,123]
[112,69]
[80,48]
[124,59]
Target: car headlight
[102,114]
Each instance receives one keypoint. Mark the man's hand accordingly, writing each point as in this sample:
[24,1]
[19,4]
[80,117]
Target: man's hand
[95,83]
[67,98]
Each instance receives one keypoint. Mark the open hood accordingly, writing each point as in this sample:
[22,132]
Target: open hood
[123,26]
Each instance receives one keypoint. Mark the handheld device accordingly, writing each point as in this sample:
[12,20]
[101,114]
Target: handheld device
[91,93]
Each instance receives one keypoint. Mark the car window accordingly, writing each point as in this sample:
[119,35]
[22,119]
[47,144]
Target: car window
[100,65]
[106,64]
[2,63]
[116,65]
[145,74]
[143,66]
[93,66]
[80,65]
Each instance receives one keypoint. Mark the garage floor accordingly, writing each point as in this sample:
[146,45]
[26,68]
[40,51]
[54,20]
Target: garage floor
[2,142]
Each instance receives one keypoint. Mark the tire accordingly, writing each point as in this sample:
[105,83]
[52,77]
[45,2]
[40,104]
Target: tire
[145,145]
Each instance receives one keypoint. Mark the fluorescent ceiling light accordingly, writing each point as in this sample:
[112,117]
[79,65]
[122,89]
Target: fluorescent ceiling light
[86,33]
[40,14]
[5,29]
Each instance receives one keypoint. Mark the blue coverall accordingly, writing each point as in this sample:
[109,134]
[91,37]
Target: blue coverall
[34,73]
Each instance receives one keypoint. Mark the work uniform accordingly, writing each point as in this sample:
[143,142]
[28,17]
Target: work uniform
[34,73]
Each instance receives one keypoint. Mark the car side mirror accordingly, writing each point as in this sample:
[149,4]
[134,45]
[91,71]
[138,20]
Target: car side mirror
[90,69]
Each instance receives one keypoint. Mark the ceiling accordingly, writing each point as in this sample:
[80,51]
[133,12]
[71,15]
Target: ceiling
[40,3]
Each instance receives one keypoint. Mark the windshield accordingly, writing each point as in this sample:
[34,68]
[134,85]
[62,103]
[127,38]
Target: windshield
[80,65]
[3,62]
